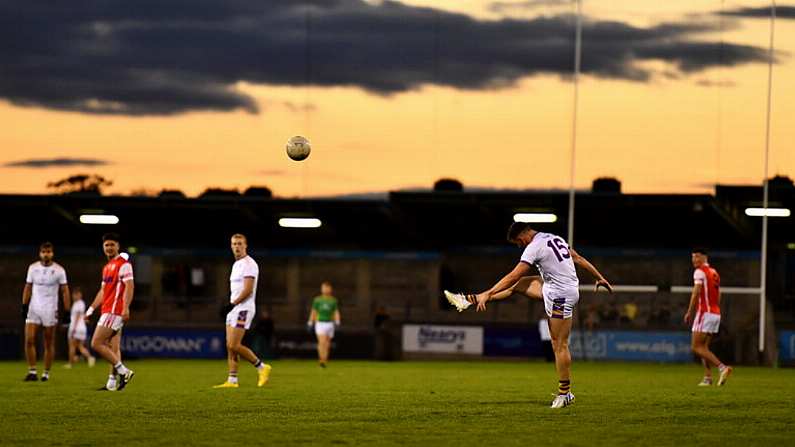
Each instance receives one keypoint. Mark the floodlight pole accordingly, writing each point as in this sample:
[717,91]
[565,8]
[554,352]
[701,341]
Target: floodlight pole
[765,188]
[577,60]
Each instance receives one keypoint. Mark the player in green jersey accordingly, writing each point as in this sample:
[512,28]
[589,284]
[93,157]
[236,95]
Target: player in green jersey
[325,317]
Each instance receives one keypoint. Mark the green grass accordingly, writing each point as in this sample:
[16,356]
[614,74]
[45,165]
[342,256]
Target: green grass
[406,403]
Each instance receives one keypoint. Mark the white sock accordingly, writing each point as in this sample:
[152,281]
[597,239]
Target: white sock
[46,373]
[259,365]
[232,378]
[111,382]
[120,368]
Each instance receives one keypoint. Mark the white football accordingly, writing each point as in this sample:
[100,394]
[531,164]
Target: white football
[298,148]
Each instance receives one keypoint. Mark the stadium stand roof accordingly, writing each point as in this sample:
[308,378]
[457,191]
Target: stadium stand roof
[440,220]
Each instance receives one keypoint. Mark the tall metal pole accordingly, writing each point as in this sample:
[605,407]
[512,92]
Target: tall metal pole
[577,59]
[763,273]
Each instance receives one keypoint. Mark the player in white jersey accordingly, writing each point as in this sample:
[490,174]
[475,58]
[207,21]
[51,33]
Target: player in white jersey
[44,281]
[557,286]
[241,310]
[77,333]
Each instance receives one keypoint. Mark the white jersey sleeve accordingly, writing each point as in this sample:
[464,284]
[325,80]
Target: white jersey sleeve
[699,277]
[250,269]
[29,278]
[62,276]
[126,272]
[530,254]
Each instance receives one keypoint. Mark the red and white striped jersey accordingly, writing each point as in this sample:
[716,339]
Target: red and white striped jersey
[115,275]
[710,289]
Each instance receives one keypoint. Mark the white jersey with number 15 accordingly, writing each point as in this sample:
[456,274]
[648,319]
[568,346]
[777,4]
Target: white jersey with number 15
[551,256]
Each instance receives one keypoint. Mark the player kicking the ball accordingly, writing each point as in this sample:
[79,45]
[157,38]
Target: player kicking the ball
[557,286]
[115,295]
[242,307]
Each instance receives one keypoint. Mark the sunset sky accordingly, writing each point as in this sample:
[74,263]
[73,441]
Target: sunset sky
[195,94]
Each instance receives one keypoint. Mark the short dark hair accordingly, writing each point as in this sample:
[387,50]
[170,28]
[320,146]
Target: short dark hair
[76,289]
[701,251]
[45,245]
[516,229]
[111,237]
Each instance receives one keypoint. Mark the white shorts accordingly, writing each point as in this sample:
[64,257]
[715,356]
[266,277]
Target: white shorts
[113,321]
[560,304]
[240,318]
[77,333]
[42,317]
[706,322]
[324,328]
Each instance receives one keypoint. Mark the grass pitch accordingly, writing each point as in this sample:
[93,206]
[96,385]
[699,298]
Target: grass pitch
[405,403]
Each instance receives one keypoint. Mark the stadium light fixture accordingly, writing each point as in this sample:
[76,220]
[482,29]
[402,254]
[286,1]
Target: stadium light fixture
[300,222]
[770,212]
[99,219]
[535,217]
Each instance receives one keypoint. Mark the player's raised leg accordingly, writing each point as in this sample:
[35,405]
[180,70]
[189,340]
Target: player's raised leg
[559,330]
[30,351]
[529,286]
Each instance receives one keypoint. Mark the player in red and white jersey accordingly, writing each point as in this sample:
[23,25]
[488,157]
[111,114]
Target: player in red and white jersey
[705,300]
[115,295]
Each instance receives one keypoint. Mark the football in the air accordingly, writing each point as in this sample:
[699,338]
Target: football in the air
[298,148]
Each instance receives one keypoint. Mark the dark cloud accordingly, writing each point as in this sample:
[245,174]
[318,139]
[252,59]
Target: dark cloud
[151,57]
[60,162]
[715,83]
[501,7]
[782,12]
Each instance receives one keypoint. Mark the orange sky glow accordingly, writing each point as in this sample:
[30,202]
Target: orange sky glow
[672,133]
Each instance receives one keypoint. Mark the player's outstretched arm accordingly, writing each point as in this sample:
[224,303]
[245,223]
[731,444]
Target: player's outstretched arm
[584,263]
